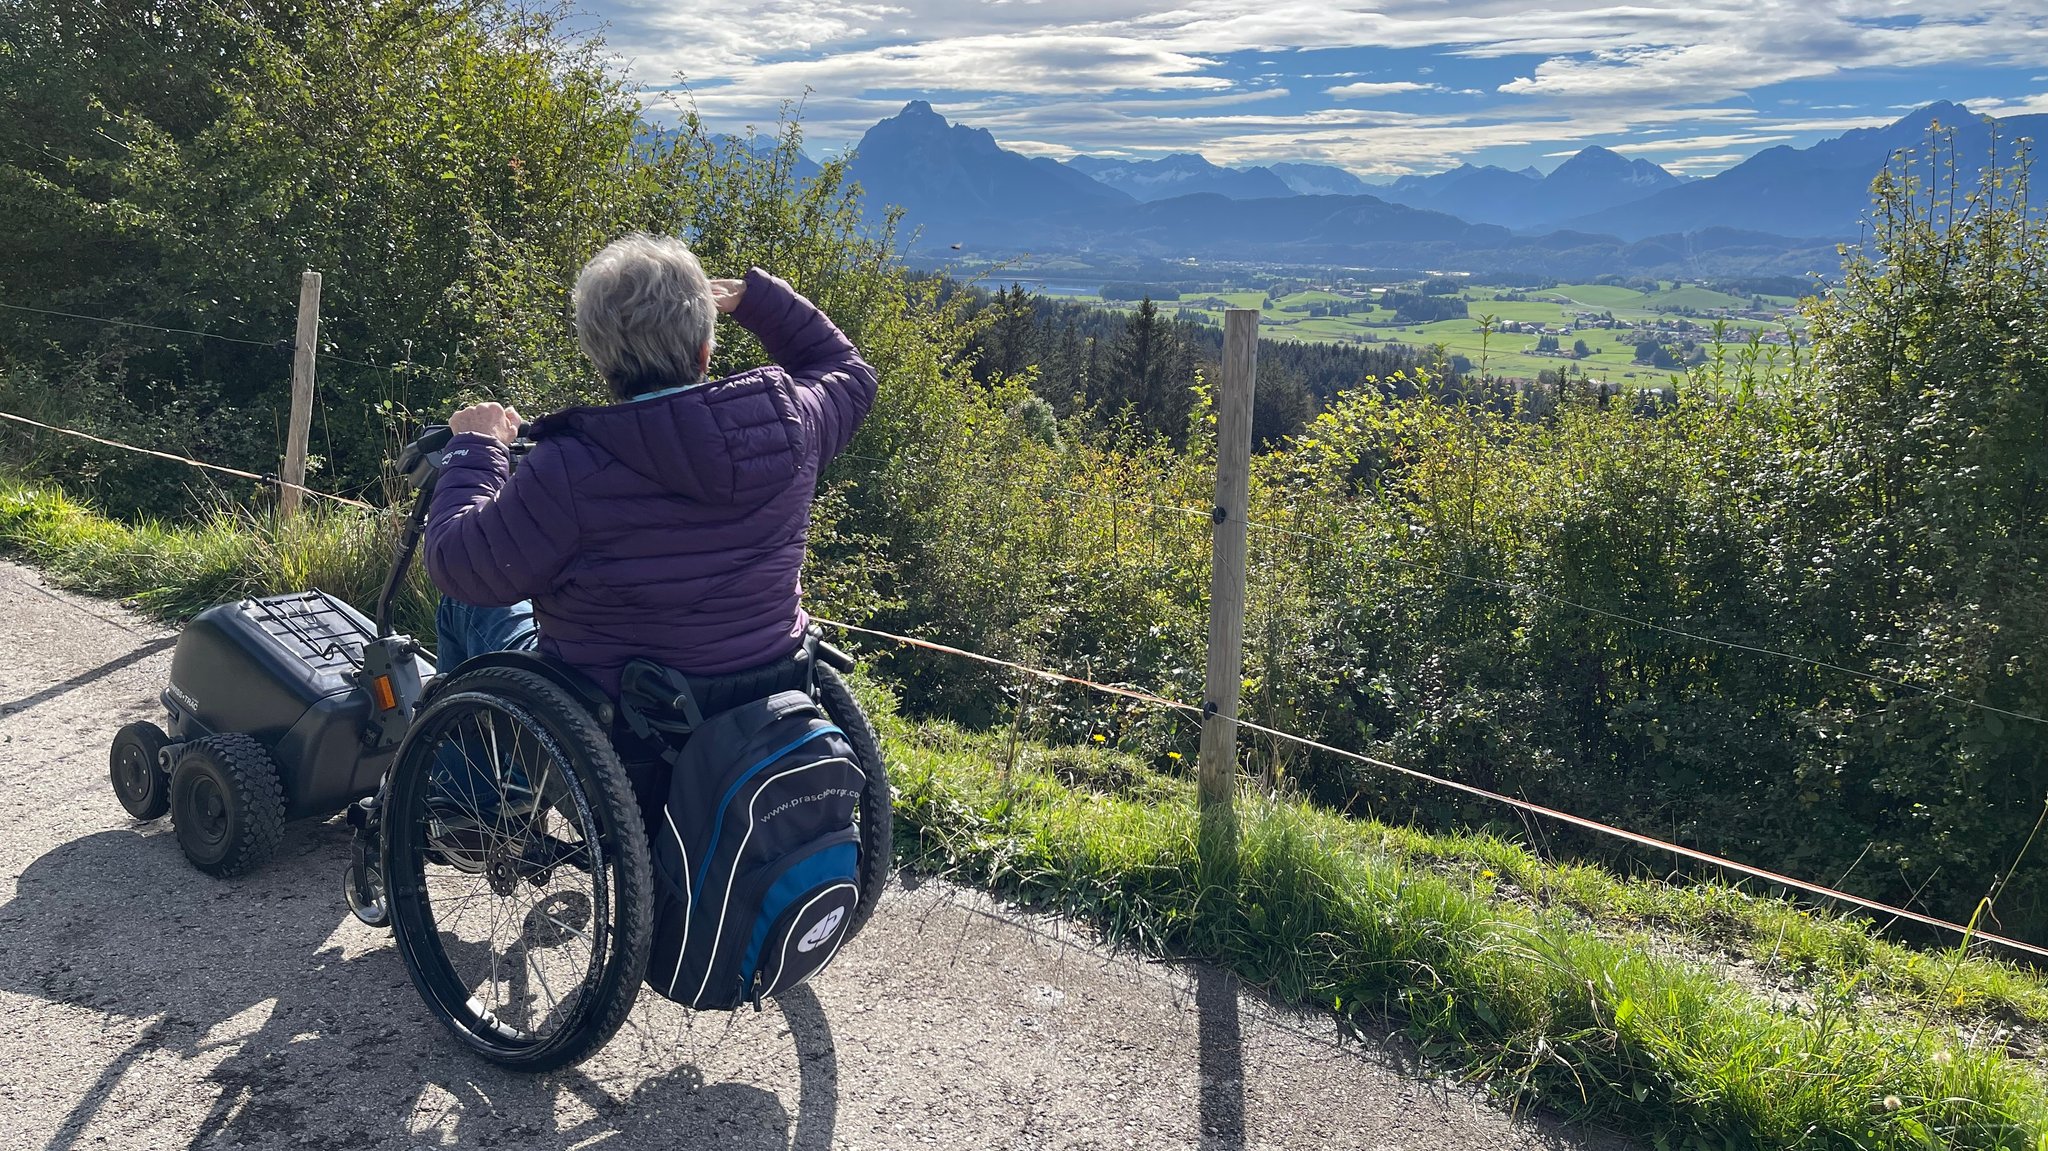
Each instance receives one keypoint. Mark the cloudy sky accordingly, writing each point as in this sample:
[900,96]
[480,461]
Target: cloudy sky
[1382,87]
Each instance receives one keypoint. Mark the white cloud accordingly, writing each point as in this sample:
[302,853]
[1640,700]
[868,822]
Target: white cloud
[1048,64]
[1377,88]
[1087,74]
[1694,143]
[1040,148]
[1703,165]
[1995,106]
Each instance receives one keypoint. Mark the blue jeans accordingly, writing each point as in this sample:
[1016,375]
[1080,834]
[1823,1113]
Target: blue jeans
[462,631]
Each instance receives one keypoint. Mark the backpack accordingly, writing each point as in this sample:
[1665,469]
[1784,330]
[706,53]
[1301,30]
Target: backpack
[754,843]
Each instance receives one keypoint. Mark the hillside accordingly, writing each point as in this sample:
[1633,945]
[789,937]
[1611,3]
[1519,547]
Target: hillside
[1591,179]
[1181,174]
[1689,986]
[1784,612]
[957,182]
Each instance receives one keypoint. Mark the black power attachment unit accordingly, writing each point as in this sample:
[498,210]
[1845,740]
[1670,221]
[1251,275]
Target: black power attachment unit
[279,708]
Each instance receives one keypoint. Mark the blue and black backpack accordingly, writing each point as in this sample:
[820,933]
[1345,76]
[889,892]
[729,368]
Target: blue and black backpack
[755,846]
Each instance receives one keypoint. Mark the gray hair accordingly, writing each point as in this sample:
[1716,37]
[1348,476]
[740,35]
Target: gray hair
[644,313]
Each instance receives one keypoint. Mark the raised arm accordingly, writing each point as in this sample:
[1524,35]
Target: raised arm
[494,536]
[835,387]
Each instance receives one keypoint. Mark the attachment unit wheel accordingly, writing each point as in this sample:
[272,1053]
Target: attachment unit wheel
[227,805]
[362,884]
[135,767]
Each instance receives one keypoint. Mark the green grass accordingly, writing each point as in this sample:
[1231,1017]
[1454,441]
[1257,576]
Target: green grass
[1288,319]
[1544,1004]
[1594,295]
[1697,298]
[174,571]
[1810,949]
[1556,983]
[1522,311]
[1299,301]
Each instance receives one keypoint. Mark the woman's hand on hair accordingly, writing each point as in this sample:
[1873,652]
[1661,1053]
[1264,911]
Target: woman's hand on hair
[726,294]
[498,421]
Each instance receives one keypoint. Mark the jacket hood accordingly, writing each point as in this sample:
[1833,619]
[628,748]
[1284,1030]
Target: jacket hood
[738,440]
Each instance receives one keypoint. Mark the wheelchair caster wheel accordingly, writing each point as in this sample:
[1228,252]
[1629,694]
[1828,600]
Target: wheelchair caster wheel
[362,884]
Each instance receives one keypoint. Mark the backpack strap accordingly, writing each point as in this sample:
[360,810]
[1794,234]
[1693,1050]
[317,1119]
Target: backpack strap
[657,701]
[650,696]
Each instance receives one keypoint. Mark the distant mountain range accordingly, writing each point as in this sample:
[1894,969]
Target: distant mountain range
[1591,181]
[1180,174]
[1320,180]
[1780,211]
[803,169]
[1184,174]
[1819,191]
[957,183]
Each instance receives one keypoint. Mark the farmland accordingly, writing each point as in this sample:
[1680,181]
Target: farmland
[1610,319]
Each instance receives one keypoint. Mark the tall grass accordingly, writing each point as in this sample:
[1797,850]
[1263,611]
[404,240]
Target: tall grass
[175,571]
[1811,946]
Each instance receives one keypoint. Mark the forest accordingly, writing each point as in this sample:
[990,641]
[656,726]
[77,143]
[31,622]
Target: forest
[1103,367]
[1798,617]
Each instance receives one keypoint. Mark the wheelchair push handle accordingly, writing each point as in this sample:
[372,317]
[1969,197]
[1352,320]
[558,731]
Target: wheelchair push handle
[420,465]
[834,658]
[420,462]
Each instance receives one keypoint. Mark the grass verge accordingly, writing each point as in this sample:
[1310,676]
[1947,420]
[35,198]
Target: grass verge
[1537,998]
[1550,981]
[175,571]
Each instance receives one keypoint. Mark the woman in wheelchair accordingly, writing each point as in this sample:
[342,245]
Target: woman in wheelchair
[654,542]
[669,525]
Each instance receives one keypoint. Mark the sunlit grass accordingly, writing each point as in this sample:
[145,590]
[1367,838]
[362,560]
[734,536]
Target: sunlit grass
[1561,1000]
[176,571]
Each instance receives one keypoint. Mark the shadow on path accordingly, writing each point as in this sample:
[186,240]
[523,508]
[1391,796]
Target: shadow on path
[85,677]
[307,1045]
[1222,1060]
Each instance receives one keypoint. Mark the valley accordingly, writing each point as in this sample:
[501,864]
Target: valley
[1589,329]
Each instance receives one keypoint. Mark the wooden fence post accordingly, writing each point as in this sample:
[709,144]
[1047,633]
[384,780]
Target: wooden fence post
[1217,765]
[304,347]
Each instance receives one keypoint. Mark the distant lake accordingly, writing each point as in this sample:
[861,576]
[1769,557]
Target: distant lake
[1059,288]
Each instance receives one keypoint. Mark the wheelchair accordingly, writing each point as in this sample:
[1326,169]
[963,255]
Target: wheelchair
[498,830]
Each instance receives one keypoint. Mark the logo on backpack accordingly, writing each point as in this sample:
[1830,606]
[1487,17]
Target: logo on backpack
[816,936]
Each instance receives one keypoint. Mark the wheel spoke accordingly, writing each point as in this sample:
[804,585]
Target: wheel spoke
[541,955]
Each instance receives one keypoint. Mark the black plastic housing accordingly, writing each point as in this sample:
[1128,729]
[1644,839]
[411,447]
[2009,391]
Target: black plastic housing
[284,670]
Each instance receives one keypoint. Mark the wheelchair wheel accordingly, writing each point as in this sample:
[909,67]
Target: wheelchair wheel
[516,871]
[877,800]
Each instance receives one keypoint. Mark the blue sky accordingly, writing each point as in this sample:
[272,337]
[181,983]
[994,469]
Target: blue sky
[1382,87]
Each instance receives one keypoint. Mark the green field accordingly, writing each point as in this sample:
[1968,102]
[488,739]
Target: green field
[1504,352]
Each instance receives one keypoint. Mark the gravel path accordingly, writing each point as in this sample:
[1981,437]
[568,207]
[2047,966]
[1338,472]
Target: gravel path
[145,1005]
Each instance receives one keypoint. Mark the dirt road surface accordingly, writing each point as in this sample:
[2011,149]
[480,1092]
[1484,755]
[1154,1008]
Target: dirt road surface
[144,1005]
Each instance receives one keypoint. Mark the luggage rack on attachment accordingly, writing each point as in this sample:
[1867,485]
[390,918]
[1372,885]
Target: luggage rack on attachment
[317,628]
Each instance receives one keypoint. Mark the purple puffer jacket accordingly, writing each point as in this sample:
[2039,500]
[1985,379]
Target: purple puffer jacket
[672,528]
